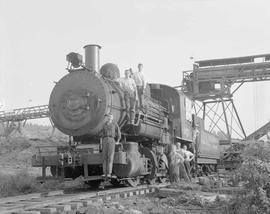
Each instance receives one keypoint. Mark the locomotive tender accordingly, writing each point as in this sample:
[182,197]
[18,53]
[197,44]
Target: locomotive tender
[78,106]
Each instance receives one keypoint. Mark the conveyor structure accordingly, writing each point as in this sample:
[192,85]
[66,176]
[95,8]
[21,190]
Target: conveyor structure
[259,132]
[22,114]
[12,120]
[210,83]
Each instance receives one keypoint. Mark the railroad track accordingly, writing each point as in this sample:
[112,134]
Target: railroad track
[58,202]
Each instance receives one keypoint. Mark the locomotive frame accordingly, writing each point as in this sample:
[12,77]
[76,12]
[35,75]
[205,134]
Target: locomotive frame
[78,105]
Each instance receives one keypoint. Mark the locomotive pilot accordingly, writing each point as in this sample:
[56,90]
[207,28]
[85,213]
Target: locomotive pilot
[109,132]
[140,83]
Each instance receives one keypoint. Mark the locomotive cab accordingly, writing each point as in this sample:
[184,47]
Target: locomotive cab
[186,127]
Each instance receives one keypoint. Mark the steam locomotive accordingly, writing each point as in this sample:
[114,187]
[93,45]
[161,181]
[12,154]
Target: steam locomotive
[79,103]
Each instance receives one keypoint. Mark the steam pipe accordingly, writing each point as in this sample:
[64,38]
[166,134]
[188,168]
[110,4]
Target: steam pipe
[92,57]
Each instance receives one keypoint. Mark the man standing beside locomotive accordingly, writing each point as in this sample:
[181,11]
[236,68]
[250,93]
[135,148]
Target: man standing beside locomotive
[189,156]
[140,83]
[182,169]
[109,132]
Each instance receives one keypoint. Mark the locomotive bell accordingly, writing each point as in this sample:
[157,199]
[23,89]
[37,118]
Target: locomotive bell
[92,57]
[110,71]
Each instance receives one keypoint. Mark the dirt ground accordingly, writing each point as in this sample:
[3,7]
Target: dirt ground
[185,198]
[17,149]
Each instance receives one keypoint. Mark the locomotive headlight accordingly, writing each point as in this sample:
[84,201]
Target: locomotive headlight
[75,59]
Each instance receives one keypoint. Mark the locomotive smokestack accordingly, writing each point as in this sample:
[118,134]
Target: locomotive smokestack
[92,57]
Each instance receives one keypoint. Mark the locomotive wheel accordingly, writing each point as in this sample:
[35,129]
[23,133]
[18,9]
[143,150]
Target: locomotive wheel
[115,182]
[133,182]
[94,184]
[152,164]
[67,170]
[53,171]
[162,180]
[149,179]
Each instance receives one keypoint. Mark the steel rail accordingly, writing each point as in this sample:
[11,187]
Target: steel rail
[52,202]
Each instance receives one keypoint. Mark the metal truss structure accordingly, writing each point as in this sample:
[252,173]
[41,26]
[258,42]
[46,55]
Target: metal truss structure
[22,114]
[259,132]
[221,112]
[13,120]
[210,83]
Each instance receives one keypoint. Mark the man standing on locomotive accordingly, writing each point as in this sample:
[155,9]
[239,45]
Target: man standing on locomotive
[109,132]
[140,83]
[130,94]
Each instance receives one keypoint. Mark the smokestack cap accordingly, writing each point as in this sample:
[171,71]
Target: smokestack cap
[92,45]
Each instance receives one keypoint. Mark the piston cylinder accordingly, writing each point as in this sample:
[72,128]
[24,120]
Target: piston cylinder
[135,163]
[92,57]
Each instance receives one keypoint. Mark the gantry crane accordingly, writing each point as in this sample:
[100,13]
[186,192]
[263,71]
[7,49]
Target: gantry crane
[210,83]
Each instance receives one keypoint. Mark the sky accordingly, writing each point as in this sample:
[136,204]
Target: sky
[36,35]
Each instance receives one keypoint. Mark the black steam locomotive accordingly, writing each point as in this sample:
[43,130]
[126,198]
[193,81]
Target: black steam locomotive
[78,105]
